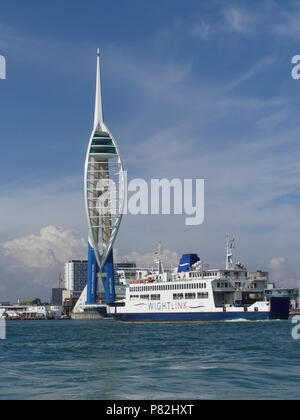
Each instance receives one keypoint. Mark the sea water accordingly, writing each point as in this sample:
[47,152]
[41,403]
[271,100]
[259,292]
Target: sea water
[154,361]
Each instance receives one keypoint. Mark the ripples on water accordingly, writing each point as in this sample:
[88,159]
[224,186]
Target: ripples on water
[111,360]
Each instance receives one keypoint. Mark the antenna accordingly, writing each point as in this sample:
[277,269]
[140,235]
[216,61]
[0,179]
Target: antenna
[229,252]
[158,259]
[98,119]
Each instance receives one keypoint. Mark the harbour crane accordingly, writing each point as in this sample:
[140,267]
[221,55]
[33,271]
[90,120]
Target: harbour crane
[59,282]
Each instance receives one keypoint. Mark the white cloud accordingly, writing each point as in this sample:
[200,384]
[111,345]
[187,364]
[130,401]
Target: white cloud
[27,268]
[288,25]
[279,273]
[201,30]
[170,258]
[277,264]
[261,64]
[237,20]
[26,208]
[242,171]
[33,251]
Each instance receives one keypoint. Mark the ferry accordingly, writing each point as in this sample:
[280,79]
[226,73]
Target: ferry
[194,292]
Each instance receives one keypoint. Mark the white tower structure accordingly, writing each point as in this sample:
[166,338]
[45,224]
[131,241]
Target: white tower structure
[104,195]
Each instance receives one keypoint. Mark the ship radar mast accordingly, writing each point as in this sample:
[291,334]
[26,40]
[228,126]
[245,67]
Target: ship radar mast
[229,252]
[158,258]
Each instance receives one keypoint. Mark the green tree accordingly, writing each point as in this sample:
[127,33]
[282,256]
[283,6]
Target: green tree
[36,301]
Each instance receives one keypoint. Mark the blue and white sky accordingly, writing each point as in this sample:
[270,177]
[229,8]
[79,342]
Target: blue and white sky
[192,89]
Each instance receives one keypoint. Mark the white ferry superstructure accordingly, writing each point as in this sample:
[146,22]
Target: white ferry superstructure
[193,292]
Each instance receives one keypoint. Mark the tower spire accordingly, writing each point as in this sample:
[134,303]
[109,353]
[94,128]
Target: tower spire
[98,102]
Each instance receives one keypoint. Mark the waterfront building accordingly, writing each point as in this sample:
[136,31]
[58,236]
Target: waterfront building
[57,296]
[75,277]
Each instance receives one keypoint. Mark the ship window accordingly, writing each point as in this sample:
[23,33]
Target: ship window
[202,295]
[245,309]
[178,296]
[155,297]
[190,296]
[134,297]
[256,309]
[146,297]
